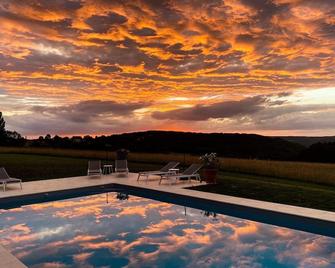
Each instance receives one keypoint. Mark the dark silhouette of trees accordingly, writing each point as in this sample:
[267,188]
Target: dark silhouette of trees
[3,133]
[229,145]
[226,145]
[319,152]
[9,138]
[13,135]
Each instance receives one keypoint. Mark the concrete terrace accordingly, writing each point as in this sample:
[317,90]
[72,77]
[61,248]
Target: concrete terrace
[253,207]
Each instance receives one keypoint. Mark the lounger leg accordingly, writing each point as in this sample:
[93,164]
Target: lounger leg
[21,184]
[4,186]
[139,175]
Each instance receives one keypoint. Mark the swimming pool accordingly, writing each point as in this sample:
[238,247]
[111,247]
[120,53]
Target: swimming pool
[119,230]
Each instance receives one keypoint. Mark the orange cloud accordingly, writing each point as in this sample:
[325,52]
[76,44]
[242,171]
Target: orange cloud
[144,51]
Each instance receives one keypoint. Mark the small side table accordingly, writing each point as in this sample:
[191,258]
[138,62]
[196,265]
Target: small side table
[107,169]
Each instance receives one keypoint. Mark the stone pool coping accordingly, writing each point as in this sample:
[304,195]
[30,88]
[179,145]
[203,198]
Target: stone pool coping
[8,260]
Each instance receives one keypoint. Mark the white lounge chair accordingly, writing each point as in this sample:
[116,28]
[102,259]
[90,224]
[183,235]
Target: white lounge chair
[121,166]
[189,173]
[94,168]
[5,179]
[163,171]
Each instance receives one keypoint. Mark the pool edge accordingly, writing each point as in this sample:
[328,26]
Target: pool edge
[87,185]
[9,260]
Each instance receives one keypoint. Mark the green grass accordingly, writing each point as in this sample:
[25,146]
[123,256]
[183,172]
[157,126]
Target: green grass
[37,167]
[273,190]
[299,171]
[319,173]
[267,188]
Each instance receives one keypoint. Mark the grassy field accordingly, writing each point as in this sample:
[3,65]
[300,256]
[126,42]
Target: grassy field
[273,190]
[299,171]
[31,167]
[267,188]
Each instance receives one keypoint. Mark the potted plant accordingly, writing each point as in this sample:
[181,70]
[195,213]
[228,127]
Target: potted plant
[210,167]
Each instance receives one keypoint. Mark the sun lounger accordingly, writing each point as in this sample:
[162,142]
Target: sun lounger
[5,179]
[189,173]
[121,166]
[163,171]
[94,168]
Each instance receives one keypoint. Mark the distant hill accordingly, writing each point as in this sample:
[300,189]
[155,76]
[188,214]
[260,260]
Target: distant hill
[228,145]
[308,141]
[289,148]
[319,152]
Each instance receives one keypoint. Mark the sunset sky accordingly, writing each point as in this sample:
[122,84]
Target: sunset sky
[72,67]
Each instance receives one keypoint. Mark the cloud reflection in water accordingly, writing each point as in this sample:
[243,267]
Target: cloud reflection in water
[89,232]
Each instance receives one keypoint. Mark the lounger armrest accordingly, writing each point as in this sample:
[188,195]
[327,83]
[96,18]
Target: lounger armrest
[179,176]
[14,179]
[149,172]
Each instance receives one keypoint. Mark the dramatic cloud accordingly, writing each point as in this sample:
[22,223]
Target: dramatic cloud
[183,57]
[217,110]
[102,24]
[144,32]
[87,110]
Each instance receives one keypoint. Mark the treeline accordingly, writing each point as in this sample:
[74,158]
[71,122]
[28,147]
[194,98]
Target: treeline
[9,138]
[226,145]
[229,145]
[319,152]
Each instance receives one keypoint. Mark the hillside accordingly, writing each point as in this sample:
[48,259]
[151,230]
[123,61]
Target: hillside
[308,141]
[228,145]
[319,152]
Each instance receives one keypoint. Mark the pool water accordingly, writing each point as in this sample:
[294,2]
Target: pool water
[117,230]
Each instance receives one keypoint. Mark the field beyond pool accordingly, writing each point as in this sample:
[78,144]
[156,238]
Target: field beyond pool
[301,184]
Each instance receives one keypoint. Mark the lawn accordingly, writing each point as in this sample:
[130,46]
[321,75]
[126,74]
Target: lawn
[299,171]
[273,190]
[31,167]
[36,167]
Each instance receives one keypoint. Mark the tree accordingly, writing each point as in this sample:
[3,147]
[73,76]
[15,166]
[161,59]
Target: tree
[3,132]
[9,138]
[13,135]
